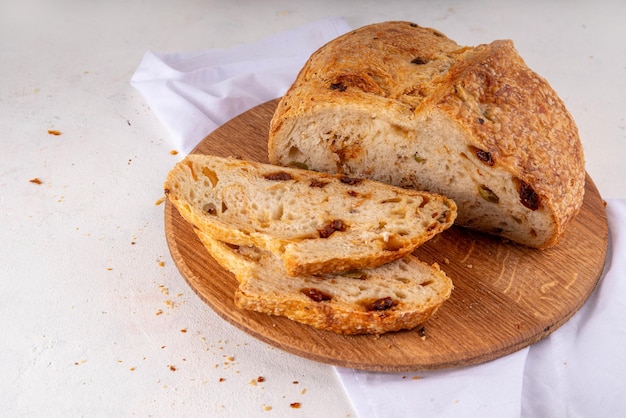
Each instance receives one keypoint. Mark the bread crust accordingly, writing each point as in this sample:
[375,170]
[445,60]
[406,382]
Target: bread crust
[264,286]
[315,222]
[525,127]
[409,76]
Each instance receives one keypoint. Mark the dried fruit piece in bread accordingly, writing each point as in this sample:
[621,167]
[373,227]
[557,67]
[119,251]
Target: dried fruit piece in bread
[314,222]
[399,295]
[406,105]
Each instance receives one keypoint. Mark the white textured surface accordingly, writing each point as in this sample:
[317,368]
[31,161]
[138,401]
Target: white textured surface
[82,280]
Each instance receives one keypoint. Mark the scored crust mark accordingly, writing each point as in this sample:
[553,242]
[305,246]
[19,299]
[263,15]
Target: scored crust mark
[362,81]
[331,227]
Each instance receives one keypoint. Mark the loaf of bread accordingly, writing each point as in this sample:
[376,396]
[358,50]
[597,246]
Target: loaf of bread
[406,105]
[315,222]
[402,294]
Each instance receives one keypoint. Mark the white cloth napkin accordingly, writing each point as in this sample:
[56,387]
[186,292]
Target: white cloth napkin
[579,371]
[195,92]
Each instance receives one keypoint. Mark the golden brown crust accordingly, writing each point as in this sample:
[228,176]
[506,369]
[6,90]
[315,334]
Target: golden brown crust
[514,114]
[403,72]
[414,289]
[383,68]
[333,319]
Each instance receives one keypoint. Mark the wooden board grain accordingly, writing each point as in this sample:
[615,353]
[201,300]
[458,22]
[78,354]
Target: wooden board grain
[506,296]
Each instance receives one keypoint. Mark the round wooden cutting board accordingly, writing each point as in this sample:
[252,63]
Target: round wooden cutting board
[506,296]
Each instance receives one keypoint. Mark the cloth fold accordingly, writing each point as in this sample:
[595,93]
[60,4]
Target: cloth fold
[195,92]
[480,391]
[577,371]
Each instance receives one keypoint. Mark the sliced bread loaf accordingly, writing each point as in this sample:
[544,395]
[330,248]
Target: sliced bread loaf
[406,105]
[399,295]
[314,222]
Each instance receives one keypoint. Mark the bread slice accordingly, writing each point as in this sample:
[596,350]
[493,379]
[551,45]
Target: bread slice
[315,222]
[406,105]
[399,295]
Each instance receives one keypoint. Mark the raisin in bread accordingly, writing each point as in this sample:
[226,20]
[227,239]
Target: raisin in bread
[314,222]
[408,106]
[399,295]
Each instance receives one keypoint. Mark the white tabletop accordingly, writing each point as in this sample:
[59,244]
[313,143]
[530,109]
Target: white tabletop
[96,320]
